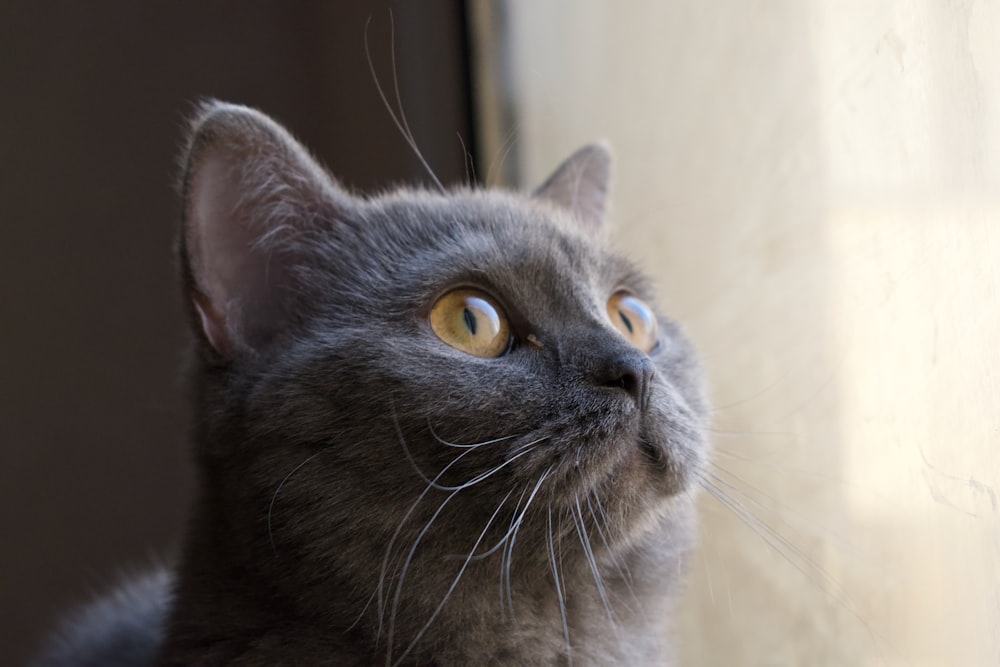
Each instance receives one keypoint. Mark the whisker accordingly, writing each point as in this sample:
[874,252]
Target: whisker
[518,453]
[501,155]
[362,614]
[413,461]
[708,577]
[505,561]
[812,474]
[793,554]
[395,74]
[559,593]
[623,571]
[796,557]
[776,509]
[400,121]
[503,540]
[521,450]
[588,553]
[270,507]
[466,445]
[726,433]
[406,566]
[759,393]
[728,588]
[524,450]
[399,527]
[602,516]
[431,484]
[454,582]
[470,166]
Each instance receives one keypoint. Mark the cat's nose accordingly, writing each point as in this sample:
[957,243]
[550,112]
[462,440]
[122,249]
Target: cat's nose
[632,373]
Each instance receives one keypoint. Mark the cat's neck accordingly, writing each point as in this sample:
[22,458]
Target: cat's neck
[624,620]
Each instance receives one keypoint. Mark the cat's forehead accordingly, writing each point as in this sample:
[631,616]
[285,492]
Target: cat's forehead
[491,231]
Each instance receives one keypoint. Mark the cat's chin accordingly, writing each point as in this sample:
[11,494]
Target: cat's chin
[653,454]
[660,473]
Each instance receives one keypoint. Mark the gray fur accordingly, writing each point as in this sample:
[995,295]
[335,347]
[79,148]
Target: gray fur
[325,405]
[119,630]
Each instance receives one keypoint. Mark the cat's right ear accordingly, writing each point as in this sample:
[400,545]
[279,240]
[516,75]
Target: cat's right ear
[580,185]
[251,193]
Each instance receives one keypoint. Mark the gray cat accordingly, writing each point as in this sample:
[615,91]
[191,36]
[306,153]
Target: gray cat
[432,428]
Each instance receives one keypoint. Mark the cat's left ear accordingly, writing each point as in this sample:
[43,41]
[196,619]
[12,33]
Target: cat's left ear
[581,184]
[252,196]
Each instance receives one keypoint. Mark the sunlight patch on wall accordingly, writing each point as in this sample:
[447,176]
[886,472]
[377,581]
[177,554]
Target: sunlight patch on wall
[916,313]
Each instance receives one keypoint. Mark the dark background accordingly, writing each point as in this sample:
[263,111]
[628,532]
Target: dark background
[94,462]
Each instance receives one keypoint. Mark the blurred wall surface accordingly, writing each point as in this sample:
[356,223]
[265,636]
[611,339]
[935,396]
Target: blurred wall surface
[815,185]
[94,474]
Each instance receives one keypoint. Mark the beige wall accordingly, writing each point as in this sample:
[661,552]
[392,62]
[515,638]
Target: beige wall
[815,186]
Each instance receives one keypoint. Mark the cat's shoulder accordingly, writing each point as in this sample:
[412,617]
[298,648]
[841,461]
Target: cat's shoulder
[122,629]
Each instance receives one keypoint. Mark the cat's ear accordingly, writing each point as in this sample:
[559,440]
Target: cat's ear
[250,195]
[580,185]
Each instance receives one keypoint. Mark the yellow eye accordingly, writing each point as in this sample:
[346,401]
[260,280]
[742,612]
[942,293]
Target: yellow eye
[634,319]
[471,321]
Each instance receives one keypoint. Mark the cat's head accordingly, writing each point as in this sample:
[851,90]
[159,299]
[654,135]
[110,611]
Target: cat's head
[373,366]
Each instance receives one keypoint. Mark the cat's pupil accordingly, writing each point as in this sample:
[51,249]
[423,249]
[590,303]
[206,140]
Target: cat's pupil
[470,320]
[626,321]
